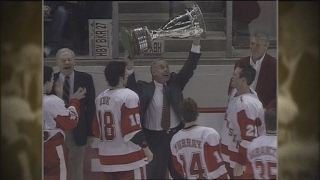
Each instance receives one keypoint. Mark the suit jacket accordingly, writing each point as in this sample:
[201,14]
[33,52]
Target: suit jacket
[87,107]
[175,86]
[267,80]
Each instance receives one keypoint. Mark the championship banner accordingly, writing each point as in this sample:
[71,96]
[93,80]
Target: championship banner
[100,39]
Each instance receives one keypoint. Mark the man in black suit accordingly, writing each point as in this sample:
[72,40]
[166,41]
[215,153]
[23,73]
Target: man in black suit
[151,108]
[81,135]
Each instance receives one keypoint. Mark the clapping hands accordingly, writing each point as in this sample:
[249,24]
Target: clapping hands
[81,92]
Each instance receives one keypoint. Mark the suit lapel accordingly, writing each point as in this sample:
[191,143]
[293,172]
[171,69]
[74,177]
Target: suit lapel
[76,84]
[263,76]
[150,90]
[56,76]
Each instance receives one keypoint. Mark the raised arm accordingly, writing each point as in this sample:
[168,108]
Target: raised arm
[132,82]
[190,65]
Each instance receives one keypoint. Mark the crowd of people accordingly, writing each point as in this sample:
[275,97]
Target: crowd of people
[148,130]
[21,111]
[64,112]
[246,147]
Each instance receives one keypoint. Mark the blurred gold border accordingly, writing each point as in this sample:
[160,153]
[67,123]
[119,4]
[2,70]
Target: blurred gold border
[21,90]
[298,90]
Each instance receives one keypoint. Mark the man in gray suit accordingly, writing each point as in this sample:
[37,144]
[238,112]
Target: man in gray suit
[165,85]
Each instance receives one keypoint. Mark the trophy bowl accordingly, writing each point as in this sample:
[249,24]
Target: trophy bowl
[188,24]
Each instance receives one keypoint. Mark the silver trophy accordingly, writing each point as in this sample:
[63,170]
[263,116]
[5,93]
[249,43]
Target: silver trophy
[188,24]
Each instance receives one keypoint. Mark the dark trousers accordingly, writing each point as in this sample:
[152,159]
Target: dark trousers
[53,35]
[159,144]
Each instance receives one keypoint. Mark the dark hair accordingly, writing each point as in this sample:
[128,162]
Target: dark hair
[248,72]
[189,110]
[113,71]
[270,117]
[47,74]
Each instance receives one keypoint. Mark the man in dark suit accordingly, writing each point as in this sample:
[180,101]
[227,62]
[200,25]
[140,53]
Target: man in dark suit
[265,83]
[165,85]
[81,135]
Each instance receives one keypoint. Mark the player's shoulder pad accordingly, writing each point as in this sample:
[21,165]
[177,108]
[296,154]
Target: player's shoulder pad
[130,97]
[210,130]
[54,100]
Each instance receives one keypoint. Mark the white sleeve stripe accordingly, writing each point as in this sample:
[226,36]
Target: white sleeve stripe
[73,112]
[245,143]
[216,173]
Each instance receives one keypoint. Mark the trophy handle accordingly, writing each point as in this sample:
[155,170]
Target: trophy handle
[128,41]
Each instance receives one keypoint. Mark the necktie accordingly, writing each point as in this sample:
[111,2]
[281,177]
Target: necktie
[66,90]
[165,120]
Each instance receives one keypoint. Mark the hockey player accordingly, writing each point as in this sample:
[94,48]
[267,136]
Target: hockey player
[262,151]
[195,149]
[56,119]
[244,121]
[123,151]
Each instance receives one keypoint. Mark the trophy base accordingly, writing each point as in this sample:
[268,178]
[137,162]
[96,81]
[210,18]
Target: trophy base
[127,42]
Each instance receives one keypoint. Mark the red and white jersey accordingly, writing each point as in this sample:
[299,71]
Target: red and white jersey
[117,120]
[196,153]
[262,154]
[244,121]
[56,117]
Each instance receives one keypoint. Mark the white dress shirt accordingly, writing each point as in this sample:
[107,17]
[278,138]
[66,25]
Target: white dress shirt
[154,111]
[257,67]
